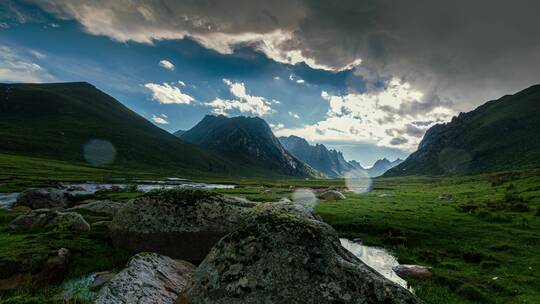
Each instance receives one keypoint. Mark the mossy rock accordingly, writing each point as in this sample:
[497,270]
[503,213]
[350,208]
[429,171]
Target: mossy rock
[279,257]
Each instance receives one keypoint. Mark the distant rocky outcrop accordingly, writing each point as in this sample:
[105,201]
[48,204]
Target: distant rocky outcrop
[181,223]
[42,198]
[248,142]
[283,258]
[148,278]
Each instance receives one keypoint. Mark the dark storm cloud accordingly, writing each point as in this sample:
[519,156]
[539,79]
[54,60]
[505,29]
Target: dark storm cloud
[460,51]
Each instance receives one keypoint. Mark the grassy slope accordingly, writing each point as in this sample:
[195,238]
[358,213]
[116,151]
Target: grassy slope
[502,134]
[467,240]
[55,121]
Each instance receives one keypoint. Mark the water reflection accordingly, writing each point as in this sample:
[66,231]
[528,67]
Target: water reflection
[377,258]
[7,200]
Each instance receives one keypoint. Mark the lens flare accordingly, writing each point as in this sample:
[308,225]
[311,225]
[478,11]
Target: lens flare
[99,152]
[304,197]
[358,181]
[454,161]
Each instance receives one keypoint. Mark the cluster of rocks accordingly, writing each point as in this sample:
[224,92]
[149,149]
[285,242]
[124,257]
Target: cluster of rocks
[246,252]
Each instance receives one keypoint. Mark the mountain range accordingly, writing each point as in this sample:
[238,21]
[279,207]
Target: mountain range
[61,120]
[331,162]
[502,134]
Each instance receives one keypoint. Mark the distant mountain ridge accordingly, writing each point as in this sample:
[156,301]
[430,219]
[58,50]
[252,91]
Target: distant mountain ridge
[502,134]
[248,142]
[57,120]
[331,162]
[383,165]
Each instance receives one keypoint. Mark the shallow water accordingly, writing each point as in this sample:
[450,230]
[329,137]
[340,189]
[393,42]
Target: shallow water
[7,200]
[377,258]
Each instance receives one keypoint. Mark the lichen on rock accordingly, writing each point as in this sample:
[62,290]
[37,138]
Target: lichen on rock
[279,257]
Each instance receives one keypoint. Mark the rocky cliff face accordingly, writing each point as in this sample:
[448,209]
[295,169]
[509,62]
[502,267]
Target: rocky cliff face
[329,162]
[248,141]
[502,134]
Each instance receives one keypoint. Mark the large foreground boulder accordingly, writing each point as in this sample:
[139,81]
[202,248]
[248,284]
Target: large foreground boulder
[180,223]
[45,218]
[279,257]
[148,278]
[42,198]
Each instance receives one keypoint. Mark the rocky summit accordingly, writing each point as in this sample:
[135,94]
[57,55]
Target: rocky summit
[182,223]
[278,257]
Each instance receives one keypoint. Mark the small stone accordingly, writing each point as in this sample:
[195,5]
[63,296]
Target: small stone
[413,272]
[332,195]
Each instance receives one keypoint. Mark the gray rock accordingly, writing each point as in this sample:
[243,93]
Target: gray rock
[148,278]
[279,257]
[45,218]
[100,279]
[42,198]
[181,223]
[107,207]
[413,272]
[332,195]
[446,197]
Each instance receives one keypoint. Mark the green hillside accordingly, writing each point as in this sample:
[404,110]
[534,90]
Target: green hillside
[502,134]
[59,121]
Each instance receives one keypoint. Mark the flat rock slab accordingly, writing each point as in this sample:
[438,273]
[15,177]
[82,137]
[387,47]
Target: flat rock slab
[148,278]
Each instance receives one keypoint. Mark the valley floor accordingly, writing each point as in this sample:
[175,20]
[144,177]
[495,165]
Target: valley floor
[481,234]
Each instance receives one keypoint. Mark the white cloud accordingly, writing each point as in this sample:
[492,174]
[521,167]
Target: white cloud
[168,94]
[38,54]
[160,120]
[182,83]
[166,65]
[17,68]
[243,102]
[380,117]
[300,81]
[220,27]
[276,126]
[277,78]
[4,25]
[294,115]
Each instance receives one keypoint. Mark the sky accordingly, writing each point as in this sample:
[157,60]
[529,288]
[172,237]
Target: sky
[365,77]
